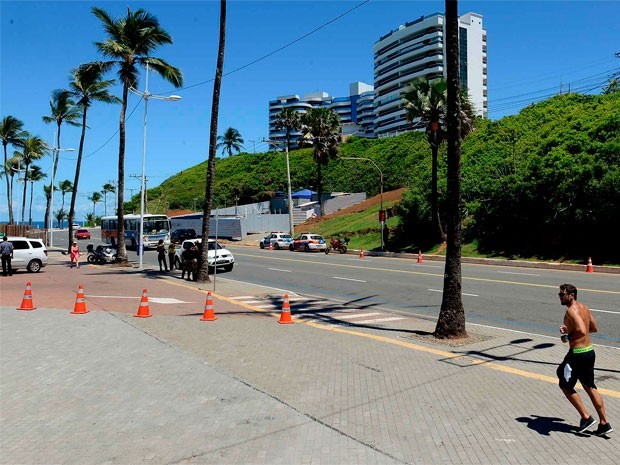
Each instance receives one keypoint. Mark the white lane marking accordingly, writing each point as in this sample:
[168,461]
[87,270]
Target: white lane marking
[462,293]
[156,300]
[240,297]
[266,306]
[358,315]
[377,320]
[604,311]
[349,279]
[520,274]
[427,266]
[278,269]
[356,259]
[252,301]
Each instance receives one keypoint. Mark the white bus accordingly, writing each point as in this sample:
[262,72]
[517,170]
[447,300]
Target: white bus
[155,227]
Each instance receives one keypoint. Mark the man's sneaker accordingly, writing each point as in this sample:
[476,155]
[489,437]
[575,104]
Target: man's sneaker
[585,423]
[602,430]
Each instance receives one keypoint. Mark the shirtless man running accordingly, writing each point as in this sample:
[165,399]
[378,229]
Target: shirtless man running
[579,362]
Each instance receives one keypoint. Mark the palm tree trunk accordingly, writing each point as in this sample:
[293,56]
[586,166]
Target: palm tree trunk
[439,234]
[203,272]
[25,192]
[76,179]
[120,240]
[9,194]
[451,321]
[30,208]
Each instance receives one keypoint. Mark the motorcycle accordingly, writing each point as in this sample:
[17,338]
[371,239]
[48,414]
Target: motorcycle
[338,245]
[101,255]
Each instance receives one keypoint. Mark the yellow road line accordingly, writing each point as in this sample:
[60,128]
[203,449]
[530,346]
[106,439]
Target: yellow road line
[421,273]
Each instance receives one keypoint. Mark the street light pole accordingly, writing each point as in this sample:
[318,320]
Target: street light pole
[288,180]
[50,219]
[146,95]
[381,217]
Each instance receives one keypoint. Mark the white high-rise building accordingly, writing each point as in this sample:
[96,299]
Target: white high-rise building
[417,49]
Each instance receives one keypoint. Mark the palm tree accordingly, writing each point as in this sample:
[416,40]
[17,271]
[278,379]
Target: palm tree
[12,133]
[95,199]
[63,110]
[35,174]
[289,120]
[130,41]
[203,272]
[60,216]
[451,321]
[65,187]
[107,187]
[90,219]
[11,167]
[34,148]
[321,127]
[88,86]
[231,140]
[425,102]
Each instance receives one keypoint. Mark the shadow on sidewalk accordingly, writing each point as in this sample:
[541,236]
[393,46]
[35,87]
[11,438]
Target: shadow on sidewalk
[545,425]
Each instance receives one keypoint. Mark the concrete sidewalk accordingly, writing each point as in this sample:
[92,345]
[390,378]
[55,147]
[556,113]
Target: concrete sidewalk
[333,388]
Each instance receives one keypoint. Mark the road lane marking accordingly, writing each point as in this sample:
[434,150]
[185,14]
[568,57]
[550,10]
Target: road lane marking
[358,315]
[155,300]
[604,311]
[370,268]
[471,295]
[376,320]
[427,266]
[520,274]
[435,290]
[265,306]
[278,269]
[240,297]
[350,279]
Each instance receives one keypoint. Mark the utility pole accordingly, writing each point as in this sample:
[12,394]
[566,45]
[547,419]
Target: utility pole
[138,176]
[254,144]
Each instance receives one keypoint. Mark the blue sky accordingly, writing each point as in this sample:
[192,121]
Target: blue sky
[534,47]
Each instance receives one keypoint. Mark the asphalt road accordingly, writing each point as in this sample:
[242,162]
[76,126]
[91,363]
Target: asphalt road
[521,299]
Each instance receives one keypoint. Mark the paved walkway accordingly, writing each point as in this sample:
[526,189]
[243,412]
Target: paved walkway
[343,385]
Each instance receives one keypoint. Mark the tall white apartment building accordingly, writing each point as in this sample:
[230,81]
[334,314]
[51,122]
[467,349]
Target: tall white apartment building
[356,111]
[417,49]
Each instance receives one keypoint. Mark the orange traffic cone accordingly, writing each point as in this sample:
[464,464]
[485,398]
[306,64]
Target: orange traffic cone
[80,302]
[270,246]
[143,309]
[589,267]
[362,252]
[420,256]
[209,315]
[285,317]
[27,300]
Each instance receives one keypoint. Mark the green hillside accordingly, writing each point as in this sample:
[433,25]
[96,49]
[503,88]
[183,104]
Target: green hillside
[544,183]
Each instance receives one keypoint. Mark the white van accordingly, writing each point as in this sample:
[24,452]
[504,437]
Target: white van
[28,253]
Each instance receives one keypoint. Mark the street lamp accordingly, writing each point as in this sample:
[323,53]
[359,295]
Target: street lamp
[381,213]
[288,180]
[50,218]
[146,95]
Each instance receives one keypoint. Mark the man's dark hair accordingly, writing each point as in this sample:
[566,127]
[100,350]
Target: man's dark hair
[569,289]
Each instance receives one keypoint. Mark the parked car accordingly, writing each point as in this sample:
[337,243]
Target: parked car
[225,258]
[29,254]
[82,234]
[279,240]
[75,225]
[180,235]
[308,242]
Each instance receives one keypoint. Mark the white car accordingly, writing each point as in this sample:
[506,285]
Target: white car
[28,253]
[225,259]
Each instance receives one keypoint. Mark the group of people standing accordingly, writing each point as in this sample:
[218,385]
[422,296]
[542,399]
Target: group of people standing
[189,259]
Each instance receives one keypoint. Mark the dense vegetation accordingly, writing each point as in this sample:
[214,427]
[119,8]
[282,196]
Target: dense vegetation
[544,183]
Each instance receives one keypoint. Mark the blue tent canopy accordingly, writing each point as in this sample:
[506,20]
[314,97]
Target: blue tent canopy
[303,194]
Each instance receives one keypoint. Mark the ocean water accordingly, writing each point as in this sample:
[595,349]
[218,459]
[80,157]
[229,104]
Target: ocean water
[41,224]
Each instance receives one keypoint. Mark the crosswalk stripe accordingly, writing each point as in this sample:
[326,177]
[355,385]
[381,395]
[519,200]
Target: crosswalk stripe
[359,315]
[377,320]
[266,306]
[241,297]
